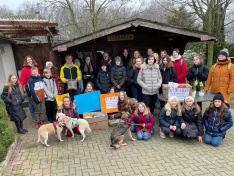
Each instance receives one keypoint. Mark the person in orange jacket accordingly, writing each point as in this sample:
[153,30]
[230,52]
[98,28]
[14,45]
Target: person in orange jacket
[221,76]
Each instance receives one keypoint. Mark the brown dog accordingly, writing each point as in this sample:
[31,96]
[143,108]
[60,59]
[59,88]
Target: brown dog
[44,131]
[117,135]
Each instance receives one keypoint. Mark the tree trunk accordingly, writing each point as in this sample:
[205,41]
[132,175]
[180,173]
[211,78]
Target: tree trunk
[210,54]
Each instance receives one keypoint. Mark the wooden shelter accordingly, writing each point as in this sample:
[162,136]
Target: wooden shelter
[137,34]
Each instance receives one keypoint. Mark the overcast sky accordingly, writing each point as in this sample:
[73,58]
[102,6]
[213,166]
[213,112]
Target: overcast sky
[13,4]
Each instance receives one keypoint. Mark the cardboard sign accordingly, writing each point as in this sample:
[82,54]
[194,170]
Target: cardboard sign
[204,37]
[109,102]
[88,102]
[181,93]
[62,48]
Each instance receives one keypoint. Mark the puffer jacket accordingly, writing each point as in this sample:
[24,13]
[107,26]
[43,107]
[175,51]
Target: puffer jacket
[132,76]
[25,73]
[118,77]
[103,82]
[36,88]
[166,121]
[72,72]
[189,117]
[150,79]
[198,72]
[168,75]
[213,128]
[222,80]
[14,101]
[50,88]
[180,70]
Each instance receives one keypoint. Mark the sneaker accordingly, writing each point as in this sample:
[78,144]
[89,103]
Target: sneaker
[171,134]
[42,123]
[37,125]
[162,134]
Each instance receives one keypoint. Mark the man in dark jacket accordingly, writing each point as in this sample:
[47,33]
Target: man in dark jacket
[109,62]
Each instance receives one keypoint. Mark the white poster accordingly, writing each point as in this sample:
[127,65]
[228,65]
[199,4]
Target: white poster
[181,93]
[111,102]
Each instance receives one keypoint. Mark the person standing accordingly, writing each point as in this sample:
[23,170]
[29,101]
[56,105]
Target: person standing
[125,57]
[88,71]
[80,83]
[163,53]
[109,62]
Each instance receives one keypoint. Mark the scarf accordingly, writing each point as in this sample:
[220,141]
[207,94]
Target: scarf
[189,108]
[223,60]
[174,59]
[69,65]
[30,65]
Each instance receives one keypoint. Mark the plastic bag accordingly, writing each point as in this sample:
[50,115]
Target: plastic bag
[72,84]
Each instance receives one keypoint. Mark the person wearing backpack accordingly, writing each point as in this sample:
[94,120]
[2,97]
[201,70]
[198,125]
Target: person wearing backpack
[221,76]
[144,122]
[180,66]
[50,89]
[118,75]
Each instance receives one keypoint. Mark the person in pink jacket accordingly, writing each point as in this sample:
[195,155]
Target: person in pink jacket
[144,122]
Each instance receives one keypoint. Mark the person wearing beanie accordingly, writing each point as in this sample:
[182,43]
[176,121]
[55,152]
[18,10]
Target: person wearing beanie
[221,76]
[103,81]
[80,83]
[88,71]
[191,119]
[180,65]
[217,120]
[118,75]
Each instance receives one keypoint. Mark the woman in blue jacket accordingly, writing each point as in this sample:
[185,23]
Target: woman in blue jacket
[217,120]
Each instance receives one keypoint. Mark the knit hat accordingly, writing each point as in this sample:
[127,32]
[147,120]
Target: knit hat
[218,96]
[87,58]
[223,53]
[103,63]
[49,62]
[176,50]
[189,97]
[77,61]
[118,58]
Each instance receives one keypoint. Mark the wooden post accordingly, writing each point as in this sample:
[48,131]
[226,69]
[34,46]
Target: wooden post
[210,53]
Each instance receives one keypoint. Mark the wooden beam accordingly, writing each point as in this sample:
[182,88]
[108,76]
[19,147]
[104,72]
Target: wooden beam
[28,23]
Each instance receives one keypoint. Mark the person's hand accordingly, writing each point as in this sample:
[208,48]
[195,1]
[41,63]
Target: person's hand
[229,92]
[183,125]
[74,101]
[66,80]
[77,80]
[118,87]
[143,125]
[199,138]
[170,127]
[174,128]
[81,91]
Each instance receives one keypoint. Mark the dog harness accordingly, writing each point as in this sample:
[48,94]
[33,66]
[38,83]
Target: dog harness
[55,127]
[74,122]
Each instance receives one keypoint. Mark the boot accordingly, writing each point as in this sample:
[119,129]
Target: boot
[20,131]
[22,127]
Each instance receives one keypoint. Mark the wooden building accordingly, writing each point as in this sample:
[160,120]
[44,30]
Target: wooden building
[137,34]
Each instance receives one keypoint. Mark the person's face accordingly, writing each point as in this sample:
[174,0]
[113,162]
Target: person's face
[105,57]
[29,61]
[69,59]
[196,61]
[48,74]
[112,91]
[165,61]
[87,61]
[138,63]
[141,108]
[136,54]
[151,61]
[89,88]
[117,62]
[221,57]
[103,68]
[49,66]
[121,96]
[150,52]
[34,72]
[175,54]
[173,103]
[162,54]
[217,103]
[13,79]
[125,53]
[189,102]
[66,102]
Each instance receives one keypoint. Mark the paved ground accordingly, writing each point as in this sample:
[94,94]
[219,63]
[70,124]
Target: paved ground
[170,156]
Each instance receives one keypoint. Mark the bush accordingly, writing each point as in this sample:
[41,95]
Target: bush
[6,134]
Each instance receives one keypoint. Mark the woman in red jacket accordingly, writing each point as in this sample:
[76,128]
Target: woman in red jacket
[180,65]
[29,62]
[144,120]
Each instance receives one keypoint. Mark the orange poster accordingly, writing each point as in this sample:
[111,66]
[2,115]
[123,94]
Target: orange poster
[109,102]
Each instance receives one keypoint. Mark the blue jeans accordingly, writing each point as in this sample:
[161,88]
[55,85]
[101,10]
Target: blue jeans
[215,141]
[132,127]
[145,136]
[31,107]
[136,92]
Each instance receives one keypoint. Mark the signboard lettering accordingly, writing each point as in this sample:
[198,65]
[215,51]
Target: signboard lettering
[111,38]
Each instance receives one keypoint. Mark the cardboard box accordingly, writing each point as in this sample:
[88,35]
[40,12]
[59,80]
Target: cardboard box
[181,91]
[100,123]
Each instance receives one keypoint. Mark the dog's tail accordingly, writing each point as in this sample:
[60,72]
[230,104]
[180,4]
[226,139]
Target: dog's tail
[88,130]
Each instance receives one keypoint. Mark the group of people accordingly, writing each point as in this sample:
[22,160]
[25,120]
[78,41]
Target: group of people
[144,77]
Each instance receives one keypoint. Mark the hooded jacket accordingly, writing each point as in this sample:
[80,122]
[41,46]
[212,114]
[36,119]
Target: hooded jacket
[36,89]
[103,81]
[180,70]
[72,72]
[50,88]
[119,76]
[132,76]
[25,73]
[167,120]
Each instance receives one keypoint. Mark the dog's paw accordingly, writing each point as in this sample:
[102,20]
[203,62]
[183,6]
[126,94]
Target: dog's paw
[82,140]
[73,135]
[61,140]
[47,145]
[133,139]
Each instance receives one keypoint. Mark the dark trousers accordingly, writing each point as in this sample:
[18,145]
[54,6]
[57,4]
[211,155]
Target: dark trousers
[72,93]
[166,130]
[149,101]
[50,109]
[137,92]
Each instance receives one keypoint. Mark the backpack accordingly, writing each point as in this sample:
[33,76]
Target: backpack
[228,68]
[122,67]
[27,88]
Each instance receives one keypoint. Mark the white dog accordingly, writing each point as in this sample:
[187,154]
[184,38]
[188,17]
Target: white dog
[71,123]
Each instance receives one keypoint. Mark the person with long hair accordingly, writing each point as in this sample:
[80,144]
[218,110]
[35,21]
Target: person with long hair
[163,53]
[169,118]
[89,87]
[29,62]
[217,120]
[191,119]
[13,96]
[88,71]
[132,61]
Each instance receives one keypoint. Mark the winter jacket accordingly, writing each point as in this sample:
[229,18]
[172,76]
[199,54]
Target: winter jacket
[58,82]
[70,112]
[119,76]
[132,76]
[109,65]
[72,72]
[189,117]
[166,121]
[198,72]
[25,73]
[142,119]
[36,89]
[213,128]
[222,80]
[103,81]
[169,75]
[88,72]
[150,79]
[50,88]
[180,70]
[14,102]
[130,107]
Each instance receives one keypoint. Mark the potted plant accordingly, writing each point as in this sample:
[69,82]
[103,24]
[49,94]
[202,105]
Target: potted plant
[194,88]
[201,92]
